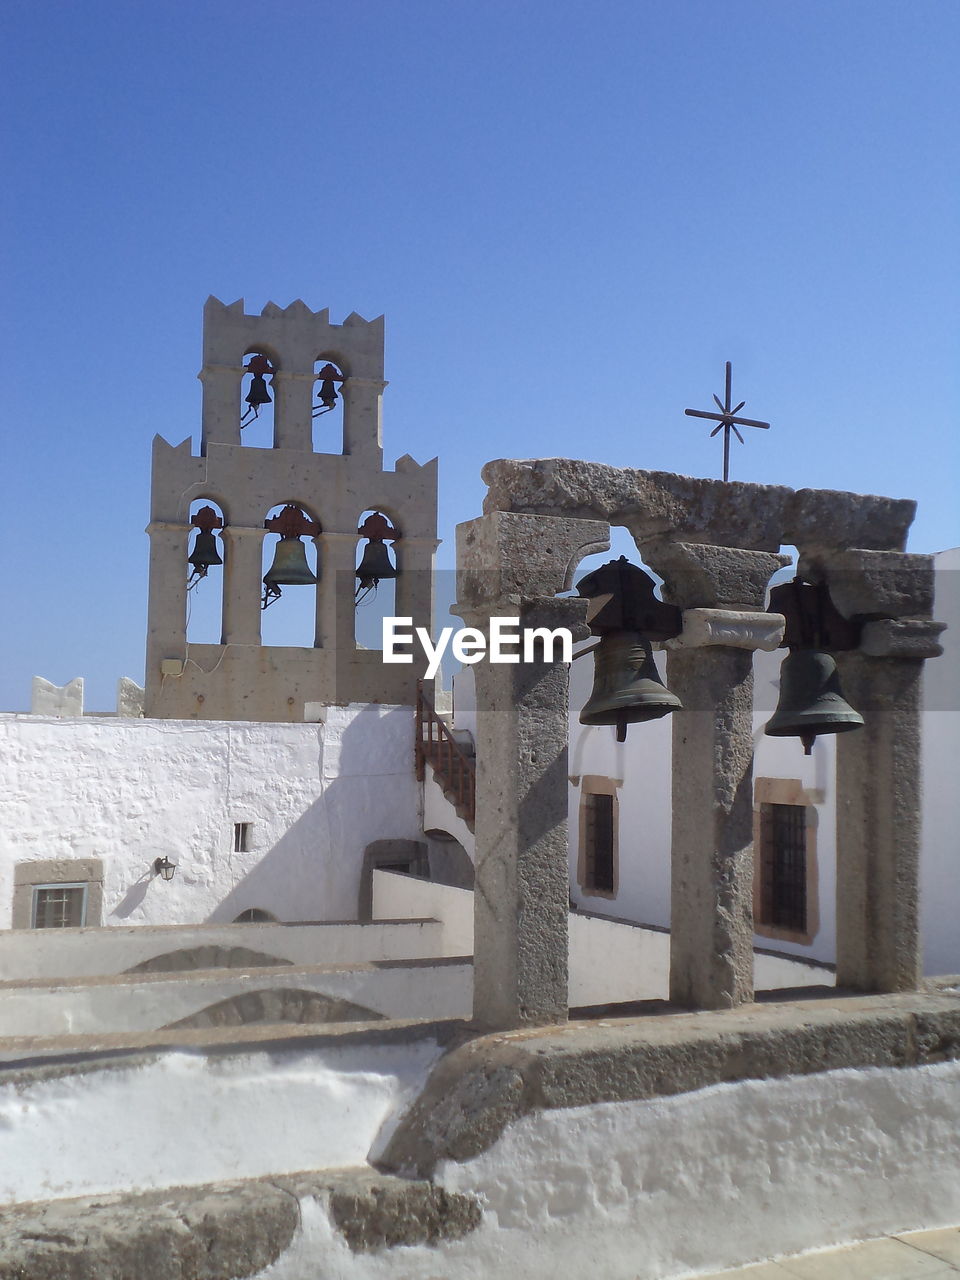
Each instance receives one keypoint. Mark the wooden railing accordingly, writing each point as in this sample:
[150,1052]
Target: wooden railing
[454,769]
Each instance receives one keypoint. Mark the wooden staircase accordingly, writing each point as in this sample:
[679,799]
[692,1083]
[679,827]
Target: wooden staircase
[454,765]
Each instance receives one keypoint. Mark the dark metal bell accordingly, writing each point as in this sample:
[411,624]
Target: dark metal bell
[811,700]
[289,568]
[205,553]
[258,393]
[627,688]
[374,565]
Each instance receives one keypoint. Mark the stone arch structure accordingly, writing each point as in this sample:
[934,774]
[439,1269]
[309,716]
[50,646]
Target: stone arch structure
[241,678]
[716,545]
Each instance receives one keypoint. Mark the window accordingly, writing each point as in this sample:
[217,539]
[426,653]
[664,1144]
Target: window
[598,838]
[783,867]
[241,837]
[58,893]
[255,915]
[59,906]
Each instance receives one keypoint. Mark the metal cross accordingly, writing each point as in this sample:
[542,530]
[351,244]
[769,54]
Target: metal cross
[727,420]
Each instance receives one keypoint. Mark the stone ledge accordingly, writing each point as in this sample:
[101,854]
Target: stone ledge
[478,1089]
[222,1231]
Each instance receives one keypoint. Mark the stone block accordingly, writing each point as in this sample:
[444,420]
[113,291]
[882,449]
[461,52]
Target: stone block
[700,576]
[828,519]
[902,638]
[735,630]
[48,699]
[876,584]
[130,697]
[503,555]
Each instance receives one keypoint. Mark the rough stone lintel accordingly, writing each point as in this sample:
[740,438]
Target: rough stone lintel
[222,1231]
[482,1087]
[654,504]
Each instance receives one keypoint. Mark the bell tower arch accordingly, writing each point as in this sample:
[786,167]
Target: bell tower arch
[286,355]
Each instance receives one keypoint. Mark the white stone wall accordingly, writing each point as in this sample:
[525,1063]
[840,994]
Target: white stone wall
[128,791]
[609,961]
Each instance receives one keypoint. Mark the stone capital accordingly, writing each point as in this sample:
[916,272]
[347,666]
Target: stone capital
[542,611]
[504,554]
[890,584]
[378,384]
[235,532]
[703,576]
[729,627]
[902,638]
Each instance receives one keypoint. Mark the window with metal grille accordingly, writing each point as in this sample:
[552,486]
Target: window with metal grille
[599,843]
[59,906]
[783,866]
[241,837]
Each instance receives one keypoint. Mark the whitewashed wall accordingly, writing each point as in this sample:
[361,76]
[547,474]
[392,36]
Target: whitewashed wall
[609,961]
[128,791]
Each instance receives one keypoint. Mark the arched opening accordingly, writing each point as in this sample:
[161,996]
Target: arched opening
[291,572]
[257,396]
[255,915]
[327,411]
[619,816]
[376,586]
[205,573]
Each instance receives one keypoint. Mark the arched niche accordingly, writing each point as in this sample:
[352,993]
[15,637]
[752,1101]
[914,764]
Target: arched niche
[619,792]
[329,375]
[375,595]
[204,575]
[290,619]
[257,415]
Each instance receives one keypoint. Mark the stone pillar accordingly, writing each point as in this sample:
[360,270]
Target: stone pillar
[414,597]
[337,558]
[220,420]
[242,584]
[710,668]
[362,433]
[167,616]
[292,421]
[512,566]
[879,767]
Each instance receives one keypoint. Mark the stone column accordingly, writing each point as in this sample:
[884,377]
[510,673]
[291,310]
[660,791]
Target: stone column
[337,558]
[292,421]
[221,404]
[167,613]
[242,584]
[879,767]
[414,597]
[710,668]
[511,566]
[362,434]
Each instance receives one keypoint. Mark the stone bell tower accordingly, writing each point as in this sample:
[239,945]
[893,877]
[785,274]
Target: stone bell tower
[241,678]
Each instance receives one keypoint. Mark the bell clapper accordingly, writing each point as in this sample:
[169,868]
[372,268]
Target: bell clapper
[808,738]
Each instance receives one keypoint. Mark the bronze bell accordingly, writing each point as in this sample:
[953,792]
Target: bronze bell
[627,688]
[289,568]
[811,700]
[205,553]
[374,565]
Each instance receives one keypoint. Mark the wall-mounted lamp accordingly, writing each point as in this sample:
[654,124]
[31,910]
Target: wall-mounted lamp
[164,867]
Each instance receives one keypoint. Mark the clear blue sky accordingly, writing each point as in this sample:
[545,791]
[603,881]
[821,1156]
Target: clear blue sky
[570,214]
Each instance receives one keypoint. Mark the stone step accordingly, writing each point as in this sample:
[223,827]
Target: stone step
[224,1230]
